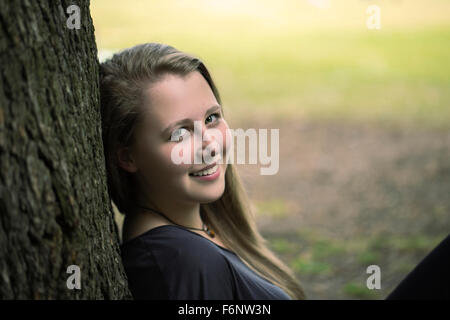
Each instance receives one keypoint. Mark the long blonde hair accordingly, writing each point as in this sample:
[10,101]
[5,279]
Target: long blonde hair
[122,80]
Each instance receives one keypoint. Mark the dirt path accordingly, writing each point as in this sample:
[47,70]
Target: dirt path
[352,179]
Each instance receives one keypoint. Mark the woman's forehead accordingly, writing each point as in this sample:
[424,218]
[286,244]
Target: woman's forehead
[174,98]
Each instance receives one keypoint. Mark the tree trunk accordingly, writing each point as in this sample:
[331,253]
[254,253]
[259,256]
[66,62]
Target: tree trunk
[54,205]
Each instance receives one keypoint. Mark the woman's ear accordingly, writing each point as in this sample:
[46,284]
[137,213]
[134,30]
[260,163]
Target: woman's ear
[126,160]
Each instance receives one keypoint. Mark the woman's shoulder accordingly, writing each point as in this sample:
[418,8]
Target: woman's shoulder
[171,244]
[179,261]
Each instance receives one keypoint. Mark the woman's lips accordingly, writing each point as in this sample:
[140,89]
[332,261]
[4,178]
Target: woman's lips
[205,168]
[208,177]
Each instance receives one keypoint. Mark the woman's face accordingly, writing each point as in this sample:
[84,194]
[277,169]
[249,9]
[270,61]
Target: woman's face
[161,139]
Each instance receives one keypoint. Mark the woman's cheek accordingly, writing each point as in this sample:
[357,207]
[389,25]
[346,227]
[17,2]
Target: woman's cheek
[179,156]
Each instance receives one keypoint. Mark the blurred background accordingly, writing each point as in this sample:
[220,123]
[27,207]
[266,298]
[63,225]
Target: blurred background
[363,113]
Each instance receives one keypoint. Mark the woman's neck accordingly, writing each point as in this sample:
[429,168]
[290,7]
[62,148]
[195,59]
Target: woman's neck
[184,214]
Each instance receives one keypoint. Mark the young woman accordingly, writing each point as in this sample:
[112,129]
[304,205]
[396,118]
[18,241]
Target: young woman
[188,231]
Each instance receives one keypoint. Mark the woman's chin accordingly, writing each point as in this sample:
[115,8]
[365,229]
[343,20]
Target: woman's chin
[208,194]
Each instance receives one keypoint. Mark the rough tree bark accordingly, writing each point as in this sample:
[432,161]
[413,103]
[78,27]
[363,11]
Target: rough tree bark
[54,205]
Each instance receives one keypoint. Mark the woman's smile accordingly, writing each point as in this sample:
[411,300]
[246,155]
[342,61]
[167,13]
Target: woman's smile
[208,174]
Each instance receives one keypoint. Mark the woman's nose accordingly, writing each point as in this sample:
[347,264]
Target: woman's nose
[209,144]
[207,138]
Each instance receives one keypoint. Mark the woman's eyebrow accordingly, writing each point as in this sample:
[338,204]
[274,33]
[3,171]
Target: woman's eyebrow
[187,120]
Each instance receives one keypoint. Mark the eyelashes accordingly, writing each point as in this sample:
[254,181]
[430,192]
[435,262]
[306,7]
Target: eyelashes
[216,114]
[178,134]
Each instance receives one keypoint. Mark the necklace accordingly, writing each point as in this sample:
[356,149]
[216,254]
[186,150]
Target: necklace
[204,228]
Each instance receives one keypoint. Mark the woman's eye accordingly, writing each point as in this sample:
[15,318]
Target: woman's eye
[216,115]
[178,134]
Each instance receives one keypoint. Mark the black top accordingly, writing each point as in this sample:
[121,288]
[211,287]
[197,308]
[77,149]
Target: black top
[430,279]
[170,262]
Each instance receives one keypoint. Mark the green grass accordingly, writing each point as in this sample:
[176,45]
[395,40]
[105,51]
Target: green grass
[277,61]
[283,246]
[360,291]
[327,248]
[274,208]
[359,76]
[305,267]
[368,257]
[315,257]
[405,244]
